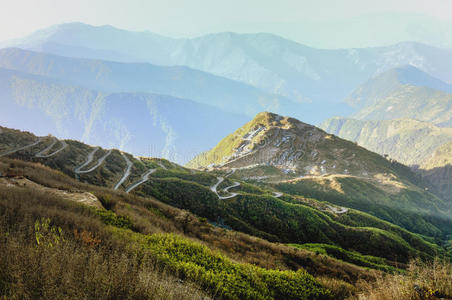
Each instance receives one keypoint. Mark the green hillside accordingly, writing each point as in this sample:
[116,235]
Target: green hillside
[411,102]
[54,242]
[300,159]
[252,209]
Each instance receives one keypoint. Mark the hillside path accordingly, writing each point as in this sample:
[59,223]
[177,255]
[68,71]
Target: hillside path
[47,149]
[22,148]
[214,187]
[144,178]
[339,211]
[126,173]
[88,160]
[63,146]
[97,165]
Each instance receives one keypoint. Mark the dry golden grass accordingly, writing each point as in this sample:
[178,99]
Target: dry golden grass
[423,280]
[149,216]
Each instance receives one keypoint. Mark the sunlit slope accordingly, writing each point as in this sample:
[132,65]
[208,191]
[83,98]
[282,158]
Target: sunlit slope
[404,93]
[437,169]
[253,209]
[304,160]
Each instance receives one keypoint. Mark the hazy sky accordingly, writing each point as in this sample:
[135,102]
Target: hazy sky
[321,23]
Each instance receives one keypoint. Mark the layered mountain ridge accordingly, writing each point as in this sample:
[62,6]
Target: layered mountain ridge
[141,123]
[266,61]
[110,76]
[408,141]
[405,114]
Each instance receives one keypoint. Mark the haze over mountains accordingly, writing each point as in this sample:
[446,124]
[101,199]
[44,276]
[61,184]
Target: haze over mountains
[143,123]
[263,60]
[406,114]
[403,112]
[242,74]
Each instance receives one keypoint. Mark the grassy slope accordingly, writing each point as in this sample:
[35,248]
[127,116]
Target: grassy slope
[396,207]
[191,261]
[226,146]
[344,155]
[255,211]
[349,256]
[289,220]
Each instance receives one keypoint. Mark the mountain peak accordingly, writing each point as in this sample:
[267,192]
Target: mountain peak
[411,75]
[386,83]
[291,147]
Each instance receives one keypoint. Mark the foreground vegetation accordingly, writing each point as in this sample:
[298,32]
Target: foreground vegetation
[289,219]
[423,280]
[84,252]
[356,258]
[128,246]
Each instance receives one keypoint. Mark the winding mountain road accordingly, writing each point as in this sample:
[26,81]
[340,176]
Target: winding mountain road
[226,190]
[89,159]
[144,178]
[22,148]
[162,166]
[97,165]
[339,211]
[63,146]
[47,149]
[214,187]
[126,173]
[277,194]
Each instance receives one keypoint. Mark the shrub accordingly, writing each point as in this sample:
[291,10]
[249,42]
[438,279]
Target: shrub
[225,279]
[424,280]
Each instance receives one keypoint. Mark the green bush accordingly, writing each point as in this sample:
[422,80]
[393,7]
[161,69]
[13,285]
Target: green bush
[348,256]
[110,218]
[225,279]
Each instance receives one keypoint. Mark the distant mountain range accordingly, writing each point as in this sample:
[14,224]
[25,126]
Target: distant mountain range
[143,123]
[404,92]
[111,76]
[403,112]
[406,140]
[242,74]
[266,61]
[406,114]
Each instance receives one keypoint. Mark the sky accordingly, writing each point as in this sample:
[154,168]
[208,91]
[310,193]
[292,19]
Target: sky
[319,23]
